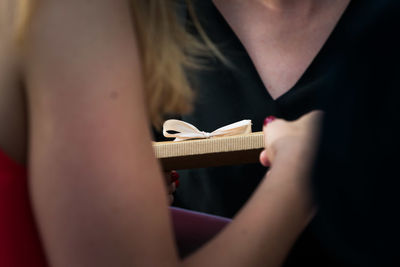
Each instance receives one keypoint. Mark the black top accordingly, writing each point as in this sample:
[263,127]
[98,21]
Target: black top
[229,94]
[356,177]
[354,78]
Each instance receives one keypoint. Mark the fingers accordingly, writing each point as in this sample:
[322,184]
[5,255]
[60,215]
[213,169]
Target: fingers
[267,155]
[171,177]
[171,191]
[268,120]
[264,154]
[172,182]
[281,135]
[264,159]
[175,179]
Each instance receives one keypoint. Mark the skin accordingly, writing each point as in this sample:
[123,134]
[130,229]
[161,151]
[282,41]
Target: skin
[98,193]
[302,134]
[284,37]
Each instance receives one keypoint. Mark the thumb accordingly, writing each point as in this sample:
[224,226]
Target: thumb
[264,158]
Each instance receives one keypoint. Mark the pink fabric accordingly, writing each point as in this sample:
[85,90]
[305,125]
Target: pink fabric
[193,229]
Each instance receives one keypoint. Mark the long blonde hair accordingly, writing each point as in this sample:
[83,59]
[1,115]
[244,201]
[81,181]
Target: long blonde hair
[166,50]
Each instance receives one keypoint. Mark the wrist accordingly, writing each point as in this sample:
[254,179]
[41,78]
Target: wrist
[289,177]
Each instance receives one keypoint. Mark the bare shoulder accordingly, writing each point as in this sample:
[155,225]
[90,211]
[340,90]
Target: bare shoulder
[64,25]
[81,41]
[81,54]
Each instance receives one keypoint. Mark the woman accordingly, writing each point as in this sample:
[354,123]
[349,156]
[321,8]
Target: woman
[282,55]
[80,185]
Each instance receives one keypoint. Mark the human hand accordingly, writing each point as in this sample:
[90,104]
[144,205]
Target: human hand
[172,181]
[289,151]
[293,141]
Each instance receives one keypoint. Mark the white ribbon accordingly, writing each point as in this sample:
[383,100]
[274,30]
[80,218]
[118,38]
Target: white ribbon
[184,131]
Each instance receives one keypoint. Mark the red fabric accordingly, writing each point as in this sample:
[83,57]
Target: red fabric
[20,245]
[19,239]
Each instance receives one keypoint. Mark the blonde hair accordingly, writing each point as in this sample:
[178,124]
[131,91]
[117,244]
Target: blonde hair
[166,50]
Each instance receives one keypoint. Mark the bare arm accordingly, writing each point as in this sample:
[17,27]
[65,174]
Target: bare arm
[97,189]
[98,193]
[268,225]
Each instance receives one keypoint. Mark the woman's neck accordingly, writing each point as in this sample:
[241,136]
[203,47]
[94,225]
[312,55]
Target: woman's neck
[306,8]
[295,13]
[282,5]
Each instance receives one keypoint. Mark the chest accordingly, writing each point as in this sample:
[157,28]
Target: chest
[281,48]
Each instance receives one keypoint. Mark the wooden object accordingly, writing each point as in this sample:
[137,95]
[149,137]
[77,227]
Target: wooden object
[217,151]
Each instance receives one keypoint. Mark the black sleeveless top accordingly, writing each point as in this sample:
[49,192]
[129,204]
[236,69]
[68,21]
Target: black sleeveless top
[229,94]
